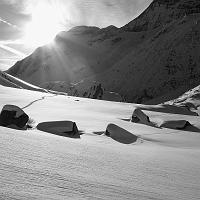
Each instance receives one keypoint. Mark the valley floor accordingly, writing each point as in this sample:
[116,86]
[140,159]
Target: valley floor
[161,164]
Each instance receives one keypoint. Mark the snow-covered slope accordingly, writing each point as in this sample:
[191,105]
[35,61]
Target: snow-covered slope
[10,81]
[155,54]
[161,164]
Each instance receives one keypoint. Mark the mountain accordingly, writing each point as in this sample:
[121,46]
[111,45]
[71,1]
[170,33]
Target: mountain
[155,54]
[71,57]
[162,12]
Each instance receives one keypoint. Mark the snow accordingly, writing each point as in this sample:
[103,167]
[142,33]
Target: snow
[161,164]
[11,81]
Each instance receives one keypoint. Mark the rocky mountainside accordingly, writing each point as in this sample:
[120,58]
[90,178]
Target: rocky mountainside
[190,98]
[94,91]
[155,54]
[162,12]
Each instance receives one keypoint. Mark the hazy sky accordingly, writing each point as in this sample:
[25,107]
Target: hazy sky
[17,15]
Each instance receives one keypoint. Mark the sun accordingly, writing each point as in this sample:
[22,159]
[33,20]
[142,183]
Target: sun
[45,24]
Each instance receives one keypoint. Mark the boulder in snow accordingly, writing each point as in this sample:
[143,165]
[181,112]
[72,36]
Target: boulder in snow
[120,135]
[139,116]
[61,128]
[175,124]
[13,116]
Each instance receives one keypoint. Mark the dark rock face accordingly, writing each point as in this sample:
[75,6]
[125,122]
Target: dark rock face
[13,115]
[186,5]
[161,12]
[96,91]
[167,2]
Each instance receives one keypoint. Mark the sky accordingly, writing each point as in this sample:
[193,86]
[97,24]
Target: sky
[27,24]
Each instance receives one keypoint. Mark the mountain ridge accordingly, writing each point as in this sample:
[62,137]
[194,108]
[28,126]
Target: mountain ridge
[164,12]
[152,55]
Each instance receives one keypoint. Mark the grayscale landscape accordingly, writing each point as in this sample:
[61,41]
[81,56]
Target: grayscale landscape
[104,112]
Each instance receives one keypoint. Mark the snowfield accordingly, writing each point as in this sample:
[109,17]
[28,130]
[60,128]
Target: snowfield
[162,164]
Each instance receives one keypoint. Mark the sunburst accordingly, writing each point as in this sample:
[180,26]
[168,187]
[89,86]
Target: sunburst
[45,24]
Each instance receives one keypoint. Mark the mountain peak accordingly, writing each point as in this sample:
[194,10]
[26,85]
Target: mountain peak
[162,12]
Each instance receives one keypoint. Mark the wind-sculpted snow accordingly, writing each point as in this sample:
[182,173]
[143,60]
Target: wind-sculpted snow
[162,163]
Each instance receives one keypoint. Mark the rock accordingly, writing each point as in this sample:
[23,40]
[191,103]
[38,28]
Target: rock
[61,128]
[139,116]
[13,115]
[120,135]
[175,124]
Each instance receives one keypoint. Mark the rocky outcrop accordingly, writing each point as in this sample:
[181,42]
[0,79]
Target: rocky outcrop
[95,90]
[162,12]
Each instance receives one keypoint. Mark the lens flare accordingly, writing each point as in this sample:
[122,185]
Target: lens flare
[45,24]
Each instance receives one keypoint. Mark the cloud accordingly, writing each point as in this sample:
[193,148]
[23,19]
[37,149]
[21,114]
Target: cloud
[8,23]
[8,31]
[12,20]
[12,50]
[12,12]
[9,56]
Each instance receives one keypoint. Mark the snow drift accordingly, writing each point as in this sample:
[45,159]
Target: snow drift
[37,165]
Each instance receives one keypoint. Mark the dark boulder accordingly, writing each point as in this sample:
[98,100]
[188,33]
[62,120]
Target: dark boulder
[61,128]
[13,115]
[175,124]
[139,116]
[119,134]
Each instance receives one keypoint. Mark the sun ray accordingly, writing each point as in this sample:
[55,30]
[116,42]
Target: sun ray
[45,24]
